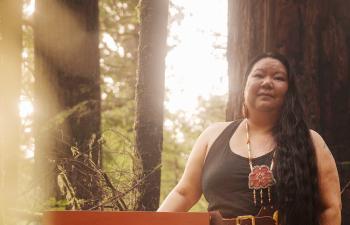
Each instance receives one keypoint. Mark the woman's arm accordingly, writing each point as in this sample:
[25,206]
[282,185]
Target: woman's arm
[188,191]
[329,186]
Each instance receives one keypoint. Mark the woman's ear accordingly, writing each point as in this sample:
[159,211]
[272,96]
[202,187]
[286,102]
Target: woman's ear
[244,110]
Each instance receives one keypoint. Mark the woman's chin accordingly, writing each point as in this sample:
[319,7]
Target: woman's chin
[267,107]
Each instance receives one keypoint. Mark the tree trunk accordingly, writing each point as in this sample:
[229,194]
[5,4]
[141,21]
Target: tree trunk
[247,36]
[150,97]
[67,85]
[10,81]
[315,36]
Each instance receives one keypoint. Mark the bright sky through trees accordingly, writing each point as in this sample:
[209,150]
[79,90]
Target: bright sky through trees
[197,65]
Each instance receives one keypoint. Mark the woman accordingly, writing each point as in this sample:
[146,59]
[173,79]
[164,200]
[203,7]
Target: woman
[268,159]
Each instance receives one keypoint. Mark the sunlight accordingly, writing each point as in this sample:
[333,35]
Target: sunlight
[108,80]
[28,149]
[112,45]
[28,9]
[25,107]
[168,124]
[196,66]
[179,136]
[111,86]
[24,54]
[109,41]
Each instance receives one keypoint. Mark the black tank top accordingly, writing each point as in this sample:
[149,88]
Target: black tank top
[225,178]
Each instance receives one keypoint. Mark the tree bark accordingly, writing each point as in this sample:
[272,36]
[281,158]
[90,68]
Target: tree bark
[150,98]
[10,86]
[67,84]
[247,36]
[315,36]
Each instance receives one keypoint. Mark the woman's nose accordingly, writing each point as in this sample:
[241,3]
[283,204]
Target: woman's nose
[267,82]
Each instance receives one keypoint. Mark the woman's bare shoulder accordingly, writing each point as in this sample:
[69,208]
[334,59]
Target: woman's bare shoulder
[216,128]
[317,139]
[219,125]
[321,148]
[213,132]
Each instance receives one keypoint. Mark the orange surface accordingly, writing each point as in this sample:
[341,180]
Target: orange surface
[124,218]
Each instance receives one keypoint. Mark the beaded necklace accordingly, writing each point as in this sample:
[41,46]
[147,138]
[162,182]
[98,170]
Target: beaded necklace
[260,176]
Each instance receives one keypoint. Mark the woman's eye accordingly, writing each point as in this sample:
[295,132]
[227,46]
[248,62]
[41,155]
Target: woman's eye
[258,75]
[280,78]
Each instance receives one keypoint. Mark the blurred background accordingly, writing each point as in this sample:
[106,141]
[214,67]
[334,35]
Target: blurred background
[102,100]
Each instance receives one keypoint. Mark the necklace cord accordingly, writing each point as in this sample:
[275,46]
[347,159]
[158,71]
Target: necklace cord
[260,177]
[250,150]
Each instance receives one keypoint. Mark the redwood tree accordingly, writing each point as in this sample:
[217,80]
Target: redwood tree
[10,80]
[67,90]
[315,36]
[150,98]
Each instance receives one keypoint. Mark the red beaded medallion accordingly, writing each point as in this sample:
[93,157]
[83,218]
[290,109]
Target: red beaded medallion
[261,177]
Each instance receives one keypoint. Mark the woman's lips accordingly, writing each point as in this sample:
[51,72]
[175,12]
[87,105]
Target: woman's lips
[266,95]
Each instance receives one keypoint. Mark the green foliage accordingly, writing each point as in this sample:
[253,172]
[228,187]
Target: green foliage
[55,204]
[179,137]
[119,22]
[121,165]
[118,105]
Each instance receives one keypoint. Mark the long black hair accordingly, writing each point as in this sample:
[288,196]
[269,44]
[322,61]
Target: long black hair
[295,159]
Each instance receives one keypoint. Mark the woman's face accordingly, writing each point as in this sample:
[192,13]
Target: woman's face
[266,86]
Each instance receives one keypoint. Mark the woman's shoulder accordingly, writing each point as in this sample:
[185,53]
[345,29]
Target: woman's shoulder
[217,127]
[314,134]
[321,148]
[316,138]
[214,130]
[219,124]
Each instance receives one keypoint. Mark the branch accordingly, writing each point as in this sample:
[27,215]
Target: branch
[130,189]
[347,185]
